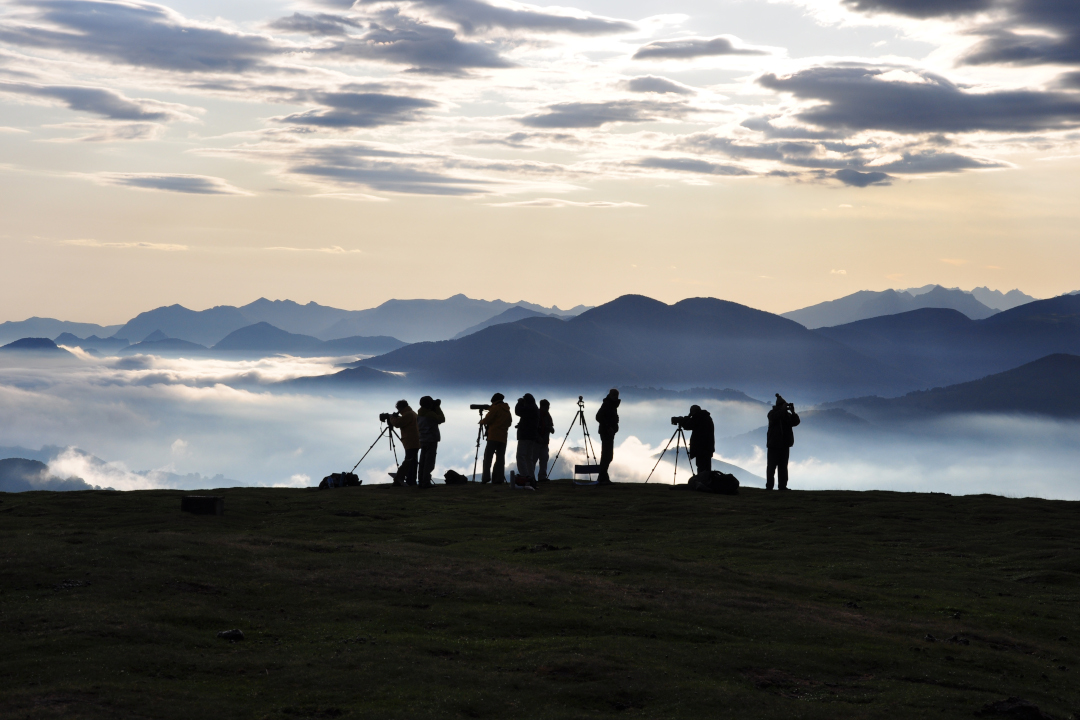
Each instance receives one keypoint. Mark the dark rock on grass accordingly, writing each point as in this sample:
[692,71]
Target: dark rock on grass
[231,635]
[542,547]
[1014,707]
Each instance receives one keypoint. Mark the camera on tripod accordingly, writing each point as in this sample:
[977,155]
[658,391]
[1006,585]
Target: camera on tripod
[384,417]
[482,408]
[680,421]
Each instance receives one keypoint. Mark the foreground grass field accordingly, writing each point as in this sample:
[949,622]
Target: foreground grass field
[477,602]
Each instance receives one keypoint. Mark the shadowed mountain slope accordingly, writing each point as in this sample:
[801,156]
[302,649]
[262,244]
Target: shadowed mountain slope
[1048,386]
[869,304]
[37,346]
[262,338]
[637,340]
[204,327]
[90,343]
[512,315]
[49,327]
[943,347]
[309,319]
[169,347]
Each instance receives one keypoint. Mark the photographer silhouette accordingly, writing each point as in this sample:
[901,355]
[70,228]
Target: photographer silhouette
[782,418]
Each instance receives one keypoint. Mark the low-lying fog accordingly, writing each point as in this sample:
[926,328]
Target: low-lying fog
[210,423]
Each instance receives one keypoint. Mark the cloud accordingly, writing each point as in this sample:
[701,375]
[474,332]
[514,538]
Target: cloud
[138,34]
[654,84]
[854,178]
[686,48]
[559,203]
[319,24]
[595,114]
[693,165]
[920,8]
[109,131]
[954,261]
[359,110]
[103,102]
[332,250]
[473,16]
[190,184]
[838,272]
[166,247]
[857,98]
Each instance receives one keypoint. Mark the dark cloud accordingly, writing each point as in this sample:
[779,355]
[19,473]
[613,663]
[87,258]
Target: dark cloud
[855,99]
[425,48]
[137,34]
[764,126]
[1070,81]
[593,115]
[692,165]
[188,184]
[921,8]
[855,178]
[359,110]
[378,169]
[522,140]
[685,48]
[653,84]
[318,24]
[98,101]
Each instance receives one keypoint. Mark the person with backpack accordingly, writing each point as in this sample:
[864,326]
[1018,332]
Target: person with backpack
[428,419]
[526,437]
[405,421]
[497,421]
[780,439]
[702,439]
[545,427]
[608,419]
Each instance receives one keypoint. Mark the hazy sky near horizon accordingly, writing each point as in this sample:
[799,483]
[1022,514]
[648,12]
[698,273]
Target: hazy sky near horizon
[776,153]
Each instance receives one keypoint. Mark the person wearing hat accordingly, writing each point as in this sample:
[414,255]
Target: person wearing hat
[779,440]
[428,419]
[497,421]
[702,439]
[608,419]
[544,428]
[405,421]
[526,436]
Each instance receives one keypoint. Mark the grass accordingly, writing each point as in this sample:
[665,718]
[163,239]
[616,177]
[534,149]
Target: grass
[476,602]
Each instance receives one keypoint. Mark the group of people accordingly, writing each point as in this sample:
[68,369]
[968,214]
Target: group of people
[420,437]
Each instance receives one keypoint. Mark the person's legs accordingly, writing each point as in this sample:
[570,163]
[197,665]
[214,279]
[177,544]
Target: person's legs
[407,471]
[704,466]
[607,454]
[489,454]
[525,458]
[428,451]
[542,453]
[498,471]
[770,471]
[781,466]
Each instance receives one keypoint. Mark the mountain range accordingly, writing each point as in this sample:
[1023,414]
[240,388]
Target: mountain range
[49,327]
[512,315]
[868,304]
[994,299]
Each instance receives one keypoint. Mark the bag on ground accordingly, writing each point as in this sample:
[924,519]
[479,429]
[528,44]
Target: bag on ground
[717,482]
[452,477]
[336,480]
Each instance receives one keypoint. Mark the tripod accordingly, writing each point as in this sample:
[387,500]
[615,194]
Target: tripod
[479,435]
[579,419]
[393,447]
[678,437]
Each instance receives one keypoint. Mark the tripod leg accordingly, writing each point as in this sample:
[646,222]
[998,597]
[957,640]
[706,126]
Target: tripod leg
[572,423]
[662,455]
[479,433]
[369,449]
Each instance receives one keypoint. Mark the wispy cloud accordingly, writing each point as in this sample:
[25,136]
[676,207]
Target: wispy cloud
[332,250]
[89,242]
[168,182]
[558,203]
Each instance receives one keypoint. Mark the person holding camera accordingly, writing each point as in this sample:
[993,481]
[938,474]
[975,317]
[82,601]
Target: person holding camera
[428,419]
[702,438]
[526,436]
[545,427]
[782,418]
[607,417]
[497,421]
[405,421]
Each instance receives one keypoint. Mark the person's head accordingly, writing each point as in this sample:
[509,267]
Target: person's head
[544,404]
[780,402]
[401,405]
[695,409]
[613,394]
[497,398]
[527,397]
[427,402]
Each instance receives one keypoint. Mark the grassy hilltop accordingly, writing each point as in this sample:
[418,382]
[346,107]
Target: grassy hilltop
[476,602]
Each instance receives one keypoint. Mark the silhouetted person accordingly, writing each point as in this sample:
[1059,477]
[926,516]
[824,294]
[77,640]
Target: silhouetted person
[428,419]
[608,419]
[779,441]
[702,439]
[526,436]
[405,421]
[497,421]
[544,428]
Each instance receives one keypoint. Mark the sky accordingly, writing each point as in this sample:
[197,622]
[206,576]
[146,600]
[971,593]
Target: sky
[776,153]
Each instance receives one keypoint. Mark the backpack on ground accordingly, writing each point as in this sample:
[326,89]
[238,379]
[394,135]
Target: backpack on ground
[718,482]
[336,480]
[452,477]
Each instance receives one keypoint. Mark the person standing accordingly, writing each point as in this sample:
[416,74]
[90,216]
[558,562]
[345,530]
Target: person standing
[545,427]
[497,421]
[428,419]
[526,436]
[608,419]
[405,421]
[702,440]
[782,418]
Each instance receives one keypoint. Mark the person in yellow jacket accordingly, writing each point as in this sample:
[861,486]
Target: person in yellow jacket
[405,421]
[497,421]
